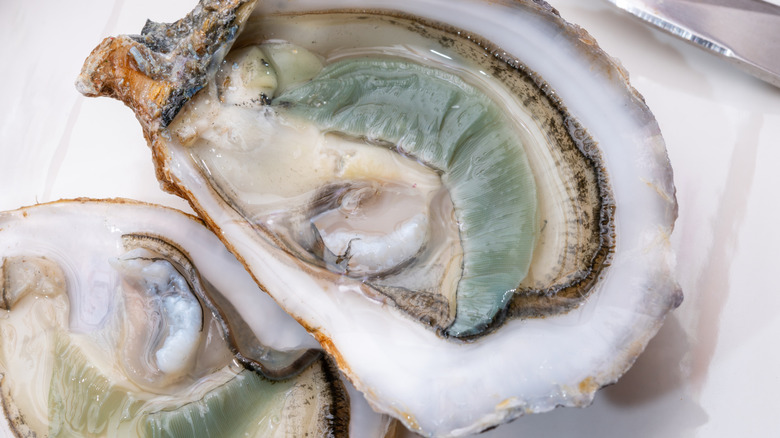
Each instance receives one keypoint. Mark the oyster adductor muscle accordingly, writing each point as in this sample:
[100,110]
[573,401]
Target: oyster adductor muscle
[422,187]
[133,323]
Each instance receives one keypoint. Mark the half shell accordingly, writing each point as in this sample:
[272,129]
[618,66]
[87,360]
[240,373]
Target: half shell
[133,323]
[553,322]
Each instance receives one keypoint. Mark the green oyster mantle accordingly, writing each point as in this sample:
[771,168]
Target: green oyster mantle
[437,118]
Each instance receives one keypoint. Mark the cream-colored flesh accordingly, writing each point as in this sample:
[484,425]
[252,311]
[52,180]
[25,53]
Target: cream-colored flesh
[275,168]
[253,74]
[448,388]
[273,163]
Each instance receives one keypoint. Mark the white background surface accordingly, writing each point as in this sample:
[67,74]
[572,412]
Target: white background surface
[712,371]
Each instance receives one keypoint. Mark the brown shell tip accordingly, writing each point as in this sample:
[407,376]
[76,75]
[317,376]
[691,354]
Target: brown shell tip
[155,73]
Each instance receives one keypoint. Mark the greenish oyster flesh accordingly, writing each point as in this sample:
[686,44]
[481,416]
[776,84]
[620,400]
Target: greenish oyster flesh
[467,204]
[112,330]
[397,134]
[404,177]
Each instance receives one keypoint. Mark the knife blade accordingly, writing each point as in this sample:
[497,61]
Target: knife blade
[745,32]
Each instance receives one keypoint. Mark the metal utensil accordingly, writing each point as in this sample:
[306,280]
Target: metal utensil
[745,32]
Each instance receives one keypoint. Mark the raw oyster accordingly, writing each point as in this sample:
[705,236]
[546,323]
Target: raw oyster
[115,324]
[465,202]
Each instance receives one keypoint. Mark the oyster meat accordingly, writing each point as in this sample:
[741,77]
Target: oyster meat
[466,203]
[134,323]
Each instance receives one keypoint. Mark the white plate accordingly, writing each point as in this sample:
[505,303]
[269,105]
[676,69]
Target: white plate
[712,369]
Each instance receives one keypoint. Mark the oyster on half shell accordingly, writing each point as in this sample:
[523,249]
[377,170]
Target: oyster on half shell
[465,202]
[126,319]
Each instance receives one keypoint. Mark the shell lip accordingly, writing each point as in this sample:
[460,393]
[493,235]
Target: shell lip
[158,71]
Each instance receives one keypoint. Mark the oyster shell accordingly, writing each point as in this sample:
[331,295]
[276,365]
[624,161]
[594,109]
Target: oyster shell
[498,123]
[114,329]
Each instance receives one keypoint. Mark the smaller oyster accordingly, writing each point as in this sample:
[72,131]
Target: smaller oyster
[119,327]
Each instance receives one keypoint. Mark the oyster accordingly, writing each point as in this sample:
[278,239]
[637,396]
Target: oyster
[120,327]
[465,203]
